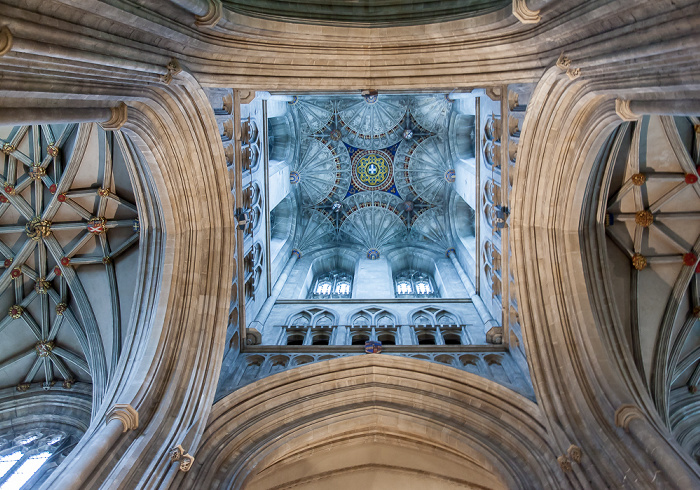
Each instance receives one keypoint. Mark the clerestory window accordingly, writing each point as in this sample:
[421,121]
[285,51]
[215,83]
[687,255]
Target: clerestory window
[413,283]
[332,285]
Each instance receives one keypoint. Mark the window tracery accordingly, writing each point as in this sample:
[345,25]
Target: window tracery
[334,284]
[26,454]
[413,283]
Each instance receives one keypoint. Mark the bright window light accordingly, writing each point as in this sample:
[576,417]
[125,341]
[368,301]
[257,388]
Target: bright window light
[404,287]
[8,461]
[25,472]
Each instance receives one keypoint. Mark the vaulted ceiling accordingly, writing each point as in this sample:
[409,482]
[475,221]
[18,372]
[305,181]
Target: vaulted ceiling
[68,223]
[652,206]
[374,172]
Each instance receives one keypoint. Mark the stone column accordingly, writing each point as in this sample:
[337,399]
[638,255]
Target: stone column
[121,418]
[632,420]
[494,332]
[275,293]
[631,110]
[206,12]
[110,118]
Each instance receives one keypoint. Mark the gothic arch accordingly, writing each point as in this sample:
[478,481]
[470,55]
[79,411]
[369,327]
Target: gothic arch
[392,400]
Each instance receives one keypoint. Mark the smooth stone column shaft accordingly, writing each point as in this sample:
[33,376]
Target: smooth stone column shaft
[197,7]
[670,107]
[46,115]
[96,450]
[275,293]
[481,308]
[654,445]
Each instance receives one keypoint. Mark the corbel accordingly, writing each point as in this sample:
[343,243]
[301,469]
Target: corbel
[6,40]
[126,414]
[118,118]
[212,17]
[524,14]
[623,110]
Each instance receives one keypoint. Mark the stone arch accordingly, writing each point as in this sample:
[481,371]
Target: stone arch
[243,438]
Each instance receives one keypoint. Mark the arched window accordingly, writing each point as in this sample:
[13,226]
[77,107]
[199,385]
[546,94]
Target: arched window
[334,284]
[413,283]
[26,455]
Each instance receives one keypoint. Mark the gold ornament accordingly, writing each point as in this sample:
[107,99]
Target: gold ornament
[639,179]
[644,218]
[15,311]
[639,261]
[8,148]
[37,229]
[61,308]
[43,349]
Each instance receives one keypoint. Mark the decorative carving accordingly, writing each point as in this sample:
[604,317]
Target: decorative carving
[68,383]
[691,178]
[43,349]
[102,192]
[696,311]
[52,150]
[644,218]
[42,286]
[8,262]
[564,463]
[126,414]
[690,259]
[173,68]
[61,308]
[609,219]
[9,189]
[212,17]
[622,108]
[37,172]
[118,118]
[563,63]
[7,148]
[61,197]
[96,226]
[37,229]
[15,311]
[573,73]
[625,414]
[574,453]
[639,179]
[16,272]
[6,40]
[107,260]
[639,261]
[22,387]
[186,462]
[176,453]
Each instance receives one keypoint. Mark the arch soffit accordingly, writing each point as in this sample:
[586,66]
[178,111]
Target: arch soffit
[555,255]
[404,392]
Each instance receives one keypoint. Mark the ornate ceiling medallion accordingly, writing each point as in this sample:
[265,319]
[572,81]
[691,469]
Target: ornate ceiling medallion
[372,170]
[37,229]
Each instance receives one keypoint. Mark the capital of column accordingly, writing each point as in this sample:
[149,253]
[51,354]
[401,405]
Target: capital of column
[623,110]
[118,118]
[213,15]
[524,14]
[126,414]
[625,414]
[6,40]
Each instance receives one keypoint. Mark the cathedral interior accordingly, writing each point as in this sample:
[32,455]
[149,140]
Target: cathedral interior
[266,244]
